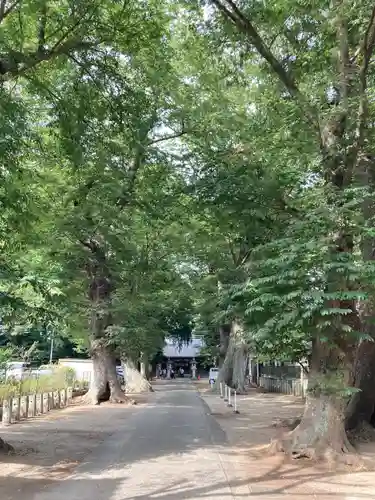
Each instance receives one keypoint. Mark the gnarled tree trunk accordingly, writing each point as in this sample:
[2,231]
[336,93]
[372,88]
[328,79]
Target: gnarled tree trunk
[362,404]
[226,369]
[239,357]
[224,332]
[321,432]
[5,447]
[104,384]
[135,382]
[144,365]
[233,370]
[361,408]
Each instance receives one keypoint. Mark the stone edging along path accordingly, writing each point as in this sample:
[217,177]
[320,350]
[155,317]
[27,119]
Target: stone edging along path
[19,408]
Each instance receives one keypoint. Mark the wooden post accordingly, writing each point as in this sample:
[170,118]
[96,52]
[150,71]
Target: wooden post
[45,402]
[50,400]
[23,406]
[7,411]
[16,410]
[62,398]
[31,405]
[38,404]
[56,399]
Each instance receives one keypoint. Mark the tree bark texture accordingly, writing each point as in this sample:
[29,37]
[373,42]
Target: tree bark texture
[321,433]
[239,357]
[233,370]
[135,382]
[5,447]
[224,332]
[361,408]
[362,404]
[104,384]
[144,366]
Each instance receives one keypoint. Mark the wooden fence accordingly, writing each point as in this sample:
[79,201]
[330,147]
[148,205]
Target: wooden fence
[18,408]
[293,386]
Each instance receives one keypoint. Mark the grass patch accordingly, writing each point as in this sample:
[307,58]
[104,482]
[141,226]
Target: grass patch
[60,378]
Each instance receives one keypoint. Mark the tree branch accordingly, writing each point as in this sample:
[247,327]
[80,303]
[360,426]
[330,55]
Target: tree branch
[175,135]
[95,248]
[42,27]
[17,63]
[4,12]
[139,156]
[232,252]
[365,51]
[369,41]
[344,63]
[229,9]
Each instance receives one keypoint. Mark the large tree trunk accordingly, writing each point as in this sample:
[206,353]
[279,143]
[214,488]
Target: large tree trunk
[233,370]
[360,411]
[239,357]
[321,432]
[226,369]
[362,404]
[5,447]
[224,332]
[104,385]
[135,382]
[144,365]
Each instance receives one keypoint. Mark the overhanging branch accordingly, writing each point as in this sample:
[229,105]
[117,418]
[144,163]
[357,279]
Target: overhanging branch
[231,12]
[5,11]
[175,135]
[16,63]
[365,51]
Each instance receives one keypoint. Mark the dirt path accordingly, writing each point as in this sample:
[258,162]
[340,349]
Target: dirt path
[276,478]
[49,448]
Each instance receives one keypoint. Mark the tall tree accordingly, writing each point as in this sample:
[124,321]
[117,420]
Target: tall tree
[286,42]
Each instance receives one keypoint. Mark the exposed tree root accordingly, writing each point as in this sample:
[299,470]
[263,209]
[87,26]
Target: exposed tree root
[363,433]
[290,423]
[116,396]
[120,398]
[5,447]
[319,450]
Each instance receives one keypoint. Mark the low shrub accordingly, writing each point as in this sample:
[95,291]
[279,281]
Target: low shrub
[32,383]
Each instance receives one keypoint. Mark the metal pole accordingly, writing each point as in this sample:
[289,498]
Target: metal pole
[229,403]
[51,350]
[235,403]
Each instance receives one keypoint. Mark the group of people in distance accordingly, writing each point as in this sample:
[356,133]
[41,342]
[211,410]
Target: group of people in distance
[164,373]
